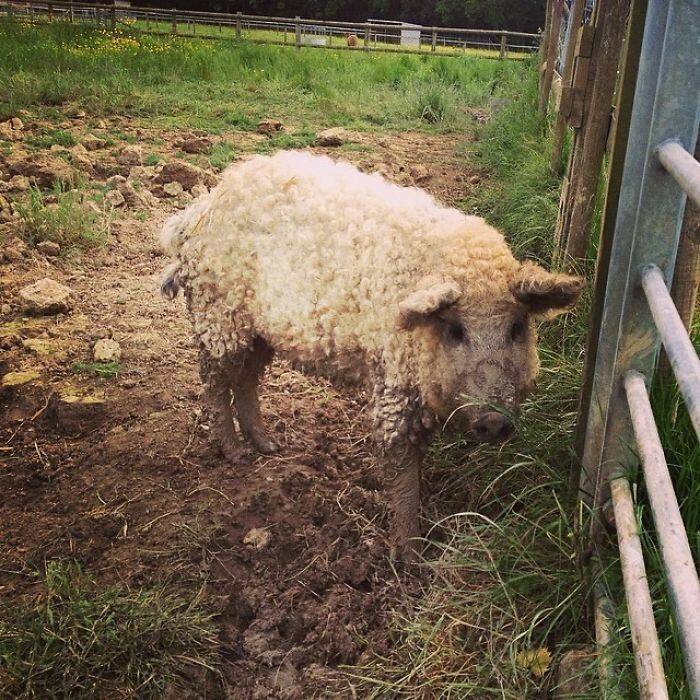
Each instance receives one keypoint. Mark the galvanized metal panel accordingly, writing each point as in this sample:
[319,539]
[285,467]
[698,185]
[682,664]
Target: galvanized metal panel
[646,230]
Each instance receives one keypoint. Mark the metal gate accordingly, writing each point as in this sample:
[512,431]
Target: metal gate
[637,315]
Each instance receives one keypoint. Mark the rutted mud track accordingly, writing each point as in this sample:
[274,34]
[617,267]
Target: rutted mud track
[128,484]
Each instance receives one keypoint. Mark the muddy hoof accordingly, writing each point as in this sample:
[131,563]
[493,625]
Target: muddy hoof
[265,444]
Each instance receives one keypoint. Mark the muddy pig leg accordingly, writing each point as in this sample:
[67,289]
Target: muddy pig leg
[401,442]
[245,393]
[216,376]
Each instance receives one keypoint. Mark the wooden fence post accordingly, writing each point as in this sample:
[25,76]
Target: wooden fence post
[502,53]
[551,56]
[544,43]
[297,31]
[238,26]
[70,12]
[113,17]
[173,26]
[575,19]
[433,40]
[368,36]
[49,8]
[576,211]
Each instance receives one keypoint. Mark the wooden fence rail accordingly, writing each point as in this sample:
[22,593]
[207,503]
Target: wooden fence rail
[297,31]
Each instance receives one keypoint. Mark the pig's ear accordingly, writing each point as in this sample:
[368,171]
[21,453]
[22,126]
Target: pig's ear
[545,293]
[424,304]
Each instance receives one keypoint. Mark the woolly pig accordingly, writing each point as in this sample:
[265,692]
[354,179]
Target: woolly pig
[359,280]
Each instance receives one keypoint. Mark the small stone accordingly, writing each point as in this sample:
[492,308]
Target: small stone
[269,126]
[20,378]
[199,191]
[14,249]
[173,189]
[46,297]
[107,350]
[100,124]
[93,143]
[57,148]
[75,113]
[17,124]
[474,179]
[420,173]
[196,145]
[184,173]
[43,170]
[9,341]
[114,181]
[258,538]
[39,346]
[132,198]
[5,309]
[7,133]
[18,183]
[131,155]
[49,248]
[336,136]
[114,198]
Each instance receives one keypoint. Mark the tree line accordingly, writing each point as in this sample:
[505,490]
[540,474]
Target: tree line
[523,15]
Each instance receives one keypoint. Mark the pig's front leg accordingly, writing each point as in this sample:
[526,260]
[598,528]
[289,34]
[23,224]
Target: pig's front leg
[401,433]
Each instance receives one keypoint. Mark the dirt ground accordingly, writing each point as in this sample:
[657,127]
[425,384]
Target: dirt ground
[119,473]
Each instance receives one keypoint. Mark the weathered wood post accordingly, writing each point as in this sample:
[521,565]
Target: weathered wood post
[433,40]
[551,56]
[173,26]
[297,31]
[544,43]
[502,53]
[113,17]
[70,12]
[575,19]
[238,26]
[368,36]
[576,211]
[49,9]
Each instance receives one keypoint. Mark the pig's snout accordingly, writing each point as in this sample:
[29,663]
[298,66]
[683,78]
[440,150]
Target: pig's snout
[492,427]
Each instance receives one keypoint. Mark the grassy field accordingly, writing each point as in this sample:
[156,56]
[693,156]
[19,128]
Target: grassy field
[506,600]
[214,86]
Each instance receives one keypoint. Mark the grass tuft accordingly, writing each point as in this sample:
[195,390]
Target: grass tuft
[74,639]
[64,219]
[105,370]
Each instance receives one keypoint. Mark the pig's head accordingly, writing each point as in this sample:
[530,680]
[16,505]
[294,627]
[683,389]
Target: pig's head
[478,356]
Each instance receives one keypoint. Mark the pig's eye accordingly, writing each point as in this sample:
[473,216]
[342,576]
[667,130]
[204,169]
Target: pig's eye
[456,333]
[517,331]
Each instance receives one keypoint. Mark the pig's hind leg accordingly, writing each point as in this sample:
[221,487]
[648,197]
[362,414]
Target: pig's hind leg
[216,376]
[251,367]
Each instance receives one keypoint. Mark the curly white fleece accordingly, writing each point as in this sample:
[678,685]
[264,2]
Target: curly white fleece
[315,257]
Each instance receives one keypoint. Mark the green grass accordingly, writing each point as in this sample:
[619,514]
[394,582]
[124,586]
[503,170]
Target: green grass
[198,84]
[105,370]
[62,219]
[74,639]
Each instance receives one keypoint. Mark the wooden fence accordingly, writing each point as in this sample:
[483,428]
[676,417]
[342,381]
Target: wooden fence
[369,36]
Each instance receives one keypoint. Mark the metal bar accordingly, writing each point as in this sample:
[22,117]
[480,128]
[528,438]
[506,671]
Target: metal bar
[681,353]
[682,578]
[684,168]
[647,655]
